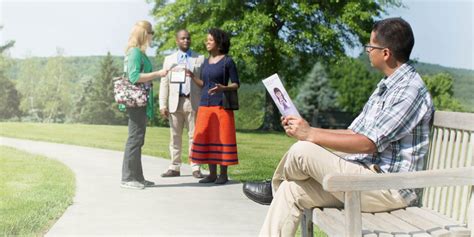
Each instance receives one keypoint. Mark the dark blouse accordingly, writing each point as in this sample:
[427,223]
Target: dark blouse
[220,73]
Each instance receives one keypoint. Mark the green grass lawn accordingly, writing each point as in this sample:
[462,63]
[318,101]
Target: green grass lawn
[34,192]
[259,153]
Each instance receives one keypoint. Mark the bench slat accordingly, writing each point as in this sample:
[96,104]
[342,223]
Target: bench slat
[337,216]
[456,228]
[449,159]
[381,225]
[340,215]
[456,120]
[339,182]
[367,227]
[421,223]
[422,235]
[460,231]
[431,216]
[440,165]
[450,209]
[433,162]
[400,224]
[331,226]
[467,160]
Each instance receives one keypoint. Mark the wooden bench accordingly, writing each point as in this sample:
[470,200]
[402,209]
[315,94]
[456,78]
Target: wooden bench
[447,198]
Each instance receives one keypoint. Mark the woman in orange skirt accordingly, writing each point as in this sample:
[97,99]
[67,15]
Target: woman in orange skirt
[214,135]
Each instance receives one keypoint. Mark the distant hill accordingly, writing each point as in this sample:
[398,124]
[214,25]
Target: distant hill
[463,79]
[88,66]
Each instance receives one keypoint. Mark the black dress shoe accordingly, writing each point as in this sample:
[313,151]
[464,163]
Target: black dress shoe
[208,179]
[260,192]
[222,179]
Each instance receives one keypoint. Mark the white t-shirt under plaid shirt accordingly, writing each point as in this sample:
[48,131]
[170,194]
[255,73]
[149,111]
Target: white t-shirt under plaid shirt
[397,118]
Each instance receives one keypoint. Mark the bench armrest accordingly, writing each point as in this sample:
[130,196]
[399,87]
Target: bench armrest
[361,182]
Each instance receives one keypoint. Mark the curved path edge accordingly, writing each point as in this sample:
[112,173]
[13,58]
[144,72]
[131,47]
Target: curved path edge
[175,207]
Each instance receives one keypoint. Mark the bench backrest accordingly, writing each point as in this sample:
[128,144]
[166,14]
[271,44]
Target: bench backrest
[452,145]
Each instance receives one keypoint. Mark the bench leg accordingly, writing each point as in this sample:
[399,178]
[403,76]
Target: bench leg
[353,217]
[307,223]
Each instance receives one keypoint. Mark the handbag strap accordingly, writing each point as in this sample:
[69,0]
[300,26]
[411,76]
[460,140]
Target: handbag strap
[226,80]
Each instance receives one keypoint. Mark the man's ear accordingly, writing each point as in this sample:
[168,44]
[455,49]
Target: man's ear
[387,54]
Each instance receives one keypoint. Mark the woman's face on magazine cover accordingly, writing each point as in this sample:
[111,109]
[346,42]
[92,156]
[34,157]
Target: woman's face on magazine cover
[279,95]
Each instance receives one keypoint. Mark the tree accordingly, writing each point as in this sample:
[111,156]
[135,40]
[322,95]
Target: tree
[98,105]
[315,94]
[29,76]
[9,96]
[440,87]
[9,99]
[47,89]
[284,37]
[353,83]
[57,89]
[6,46]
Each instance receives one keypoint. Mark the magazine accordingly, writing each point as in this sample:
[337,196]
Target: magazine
[280,96]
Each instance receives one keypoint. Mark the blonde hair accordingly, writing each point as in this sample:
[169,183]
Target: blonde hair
[139,36]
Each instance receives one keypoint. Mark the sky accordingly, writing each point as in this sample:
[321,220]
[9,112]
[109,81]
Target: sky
[444,29]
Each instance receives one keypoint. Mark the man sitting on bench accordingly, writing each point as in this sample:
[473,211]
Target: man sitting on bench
[391,134]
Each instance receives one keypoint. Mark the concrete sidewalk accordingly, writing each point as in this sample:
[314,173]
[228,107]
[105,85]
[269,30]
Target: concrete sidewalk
[176,207]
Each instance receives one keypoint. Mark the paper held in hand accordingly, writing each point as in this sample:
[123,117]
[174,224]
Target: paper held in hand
[280,96]
[178,73]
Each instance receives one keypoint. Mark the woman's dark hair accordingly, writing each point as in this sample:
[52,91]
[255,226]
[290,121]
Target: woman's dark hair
[275,90]
[222,40]
[395,34]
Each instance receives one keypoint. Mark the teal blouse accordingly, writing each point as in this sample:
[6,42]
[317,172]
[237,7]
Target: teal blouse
[132,66]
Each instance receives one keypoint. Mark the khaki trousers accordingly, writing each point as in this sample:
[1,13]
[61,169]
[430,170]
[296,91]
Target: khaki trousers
[297,185]
[184,116]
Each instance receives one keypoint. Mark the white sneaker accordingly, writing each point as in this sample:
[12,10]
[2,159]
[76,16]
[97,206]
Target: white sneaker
[132,185]
[148,183]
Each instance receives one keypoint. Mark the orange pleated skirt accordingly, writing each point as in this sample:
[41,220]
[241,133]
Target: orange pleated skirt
[214,139]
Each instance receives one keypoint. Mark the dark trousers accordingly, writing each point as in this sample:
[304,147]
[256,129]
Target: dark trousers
[132,159]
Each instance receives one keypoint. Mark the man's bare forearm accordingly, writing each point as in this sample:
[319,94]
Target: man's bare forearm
[342,140]
[340,131]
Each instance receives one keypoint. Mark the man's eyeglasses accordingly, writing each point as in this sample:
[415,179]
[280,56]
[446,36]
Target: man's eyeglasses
[368,48]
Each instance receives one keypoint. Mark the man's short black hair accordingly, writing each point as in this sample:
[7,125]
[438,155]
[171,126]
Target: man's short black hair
[179,31]
[222,40]
[395,34]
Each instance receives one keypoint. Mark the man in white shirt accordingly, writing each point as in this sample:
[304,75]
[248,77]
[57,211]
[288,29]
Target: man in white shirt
[179,101]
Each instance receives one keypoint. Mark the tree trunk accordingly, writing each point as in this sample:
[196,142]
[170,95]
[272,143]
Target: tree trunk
[271,63]
[271,118]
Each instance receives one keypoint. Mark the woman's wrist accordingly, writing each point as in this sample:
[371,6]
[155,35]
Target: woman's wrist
[162,73]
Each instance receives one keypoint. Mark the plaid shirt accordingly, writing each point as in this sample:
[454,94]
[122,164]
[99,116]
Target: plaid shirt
[397,118]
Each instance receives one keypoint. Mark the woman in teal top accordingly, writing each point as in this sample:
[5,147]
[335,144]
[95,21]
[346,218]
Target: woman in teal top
[139,70]
[133,63]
